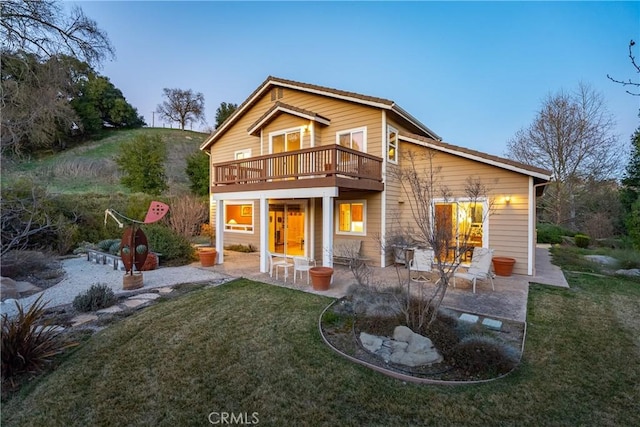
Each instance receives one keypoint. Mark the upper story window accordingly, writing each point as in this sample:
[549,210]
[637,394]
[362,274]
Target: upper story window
[288,140]
[392,144]
[353,138]
[351,217]
[242,154]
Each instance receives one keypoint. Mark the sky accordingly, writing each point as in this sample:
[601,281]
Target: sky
[473,72]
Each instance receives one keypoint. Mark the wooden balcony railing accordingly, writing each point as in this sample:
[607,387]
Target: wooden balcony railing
[317,162]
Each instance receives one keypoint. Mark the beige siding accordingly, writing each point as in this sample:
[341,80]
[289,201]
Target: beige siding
[507,228]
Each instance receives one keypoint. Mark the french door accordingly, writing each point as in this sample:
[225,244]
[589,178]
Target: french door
[461,225]
[287,228]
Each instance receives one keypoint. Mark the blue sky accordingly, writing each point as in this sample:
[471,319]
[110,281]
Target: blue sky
[473,72]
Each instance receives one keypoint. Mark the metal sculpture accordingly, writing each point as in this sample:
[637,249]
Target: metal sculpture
[134,247]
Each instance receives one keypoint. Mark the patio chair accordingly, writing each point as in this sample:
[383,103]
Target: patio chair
[480,268]
[276,261]
[421,263]
[302,264]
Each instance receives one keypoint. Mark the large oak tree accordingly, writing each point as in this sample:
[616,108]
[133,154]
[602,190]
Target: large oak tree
[182,106]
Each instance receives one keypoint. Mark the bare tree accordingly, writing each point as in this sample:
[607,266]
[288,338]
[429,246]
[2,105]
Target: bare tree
[42,28]
[572,134]
[182,106]
[421,184]
[635,65]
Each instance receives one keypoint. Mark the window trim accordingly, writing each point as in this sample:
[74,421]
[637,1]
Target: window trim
[484,201]
[364,218]
[246,152]
[300,130]
[239,228]
[396,145]
[362,129]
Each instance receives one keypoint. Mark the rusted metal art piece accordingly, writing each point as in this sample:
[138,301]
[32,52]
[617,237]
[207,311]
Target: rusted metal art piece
[133,249]
[156,212]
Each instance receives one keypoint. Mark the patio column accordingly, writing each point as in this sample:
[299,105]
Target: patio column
[220,230]
[264,234]
[327,231]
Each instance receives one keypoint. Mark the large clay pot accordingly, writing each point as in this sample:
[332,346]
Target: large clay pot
[151,263]
[503,266]
[208,256]
[320,277]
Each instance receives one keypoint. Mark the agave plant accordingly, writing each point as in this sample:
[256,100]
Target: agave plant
[29,341]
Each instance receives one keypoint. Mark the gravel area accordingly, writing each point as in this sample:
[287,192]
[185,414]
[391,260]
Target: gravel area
[80,274]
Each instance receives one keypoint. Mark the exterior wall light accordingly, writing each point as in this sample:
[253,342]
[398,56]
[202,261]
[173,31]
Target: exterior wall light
[507,200]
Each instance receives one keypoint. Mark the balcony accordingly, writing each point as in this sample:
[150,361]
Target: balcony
[324,166]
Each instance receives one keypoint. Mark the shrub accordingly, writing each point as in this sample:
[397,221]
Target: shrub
[582,241]
[17,263]
[105,245]
[483,356]
[198,172]
[142,162]
[551,233]
[114,249]
[98,296]
[174,248]
[28,341]
[187,214]
[241,248]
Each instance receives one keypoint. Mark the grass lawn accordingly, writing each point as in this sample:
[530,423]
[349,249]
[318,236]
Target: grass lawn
[247,347]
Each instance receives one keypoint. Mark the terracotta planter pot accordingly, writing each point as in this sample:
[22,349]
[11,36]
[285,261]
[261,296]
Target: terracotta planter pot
[503,266]
[320,277]
[132,281]
[208,256]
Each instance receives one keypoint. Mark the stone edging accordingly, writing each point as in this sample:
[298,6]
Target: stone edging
[409,378]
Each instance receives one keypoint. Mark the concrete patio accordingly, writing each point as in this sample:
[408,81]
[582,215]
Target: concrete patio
[508,301]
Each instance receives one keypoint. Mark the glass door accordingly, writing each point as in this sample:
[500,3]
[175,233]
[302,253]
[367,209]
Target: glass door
[287,228]
[286,166]
[461,226]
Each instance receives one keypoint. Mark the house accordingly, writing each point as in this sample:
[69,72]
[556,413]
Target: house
[298,167]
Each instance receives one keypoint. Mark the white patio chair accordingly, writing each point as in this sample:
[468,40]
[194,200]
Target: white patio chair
[480,268]
[421,263]
[302,264]
[276,261]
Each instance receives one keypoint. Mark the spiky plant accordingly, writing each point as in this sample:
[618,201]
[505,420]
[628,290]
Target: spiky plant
[29,342]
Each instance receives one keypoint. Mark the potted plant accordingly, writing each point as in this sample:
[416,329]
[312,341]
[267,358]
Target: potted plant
[208,256]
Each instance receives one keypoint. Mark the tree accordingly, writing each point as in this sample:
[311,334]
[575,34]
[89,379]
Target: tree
[635,65]
[142,162]
[36,113]
[224,111]
[630,192]
[198,172]
[43,29]
[99,102]
[572,134]
[182,106]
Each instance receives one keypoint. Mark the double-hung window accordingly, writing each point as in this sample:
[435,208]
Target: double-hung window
[351,217]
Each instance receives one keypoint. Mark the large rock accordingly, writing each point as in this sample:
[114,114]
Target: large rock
[402,333]
[8,288]
[419,344]
[370,342]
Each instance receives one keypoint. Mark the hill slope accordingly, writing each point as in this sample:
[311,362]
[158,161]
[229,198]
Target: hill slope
[90,167]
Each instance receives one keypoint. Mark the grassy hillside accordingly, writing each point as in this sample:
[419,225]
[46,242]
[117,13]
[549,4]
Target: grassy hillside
[90,167]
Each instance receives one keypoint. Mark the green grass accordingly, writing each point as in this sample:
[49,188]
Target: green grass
[250,347]
[89,167]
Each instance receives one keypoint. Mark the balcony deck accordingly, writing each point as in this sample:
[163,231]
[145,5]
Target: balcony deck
[323,166]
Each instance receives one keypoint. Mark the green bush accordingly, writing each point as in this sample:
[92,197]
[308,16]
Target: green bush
[114,249]
[28,341]
[97,297]
[174,248]
[483,356]
[142,162]
[105,245]
[198,172]
[551,233]
[582,241]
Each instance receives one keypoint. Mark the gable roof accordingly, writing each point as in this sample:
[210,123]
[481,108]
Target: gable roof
[279,108]
[540,174]
[271,81]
